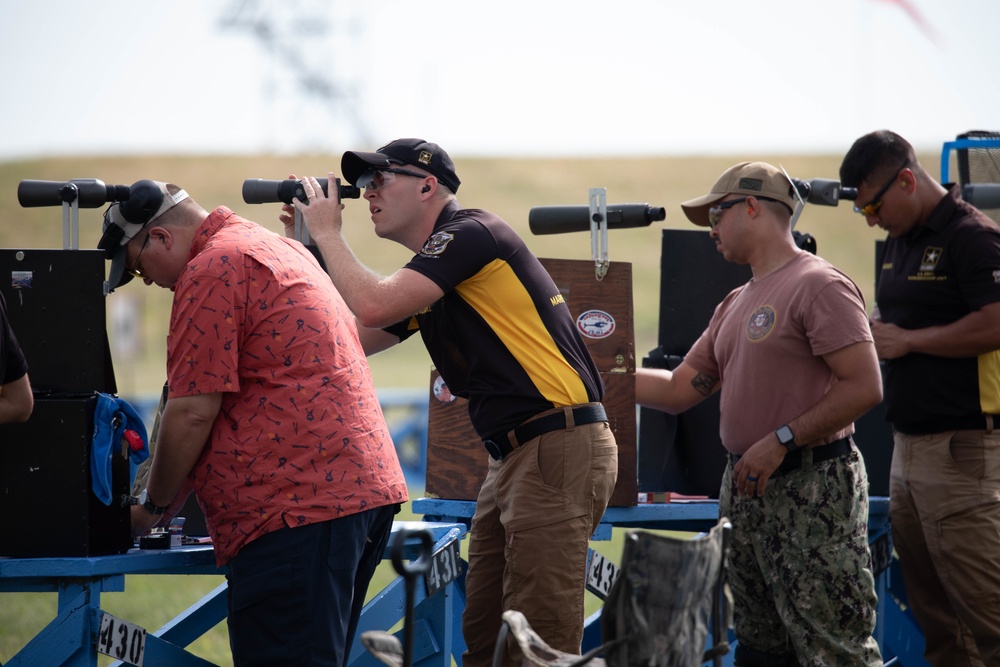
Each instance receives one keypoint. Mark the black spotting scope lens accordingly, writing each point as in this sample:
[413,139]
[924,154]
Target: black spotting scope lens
[263,191]
[88,193]
[563,219]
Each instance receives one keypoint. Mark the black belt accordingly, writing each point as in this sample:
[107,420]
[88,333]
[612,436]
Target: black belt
[500,446]
[793,460]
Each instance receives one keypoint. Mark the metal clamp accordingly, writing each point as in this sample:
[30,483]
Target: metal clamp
[599,231]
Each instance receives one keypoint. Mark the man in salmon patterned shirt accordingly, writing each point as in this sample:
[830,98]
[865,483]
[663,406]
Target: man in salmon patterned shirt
[272,420]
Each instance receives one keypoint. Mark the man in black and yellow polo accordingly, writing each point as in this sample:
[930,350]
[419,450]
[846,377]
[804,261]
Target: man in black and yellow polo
[500,335]
[937,326]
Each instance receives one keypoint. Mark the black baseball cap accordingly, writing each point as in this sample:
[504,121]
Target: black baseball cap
[417,152]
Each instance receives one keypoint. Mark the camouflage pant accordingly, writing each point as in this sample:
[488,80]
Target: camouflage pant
[799,564]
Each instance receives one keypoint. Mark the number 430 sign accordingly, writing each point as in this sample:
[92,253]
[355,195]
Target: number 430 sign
[122,640]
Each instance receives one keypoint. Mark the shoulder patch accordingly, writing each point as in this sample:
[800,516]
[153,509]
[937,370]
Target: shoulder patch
[436,244]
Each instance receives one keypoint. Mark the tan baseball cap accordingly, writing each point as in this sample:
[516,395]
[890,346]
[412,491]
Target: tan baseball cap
[756,179]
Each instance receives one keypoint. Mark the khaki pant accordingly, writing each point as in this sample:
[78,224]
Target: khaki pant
[945,511]
[535,514]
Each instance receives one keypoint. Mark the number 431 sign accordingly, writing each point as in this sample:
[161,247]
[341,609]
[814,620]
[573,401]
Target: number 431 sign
[122,640]
[445,567]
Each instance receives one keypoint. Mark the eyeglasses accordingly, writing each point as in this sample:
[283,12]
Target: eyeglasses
[376,179]
[715,213]
[875,204]
[136,270]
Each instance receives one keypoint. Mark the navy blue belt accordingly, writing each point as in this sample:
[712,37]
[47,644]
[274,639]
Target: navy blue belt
[500,445]
[793,460]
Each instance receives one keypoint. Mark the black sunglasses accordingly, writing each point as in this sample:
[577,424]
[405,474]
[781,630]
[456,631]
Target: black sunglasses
[715,213]
[379,177]
[875,204]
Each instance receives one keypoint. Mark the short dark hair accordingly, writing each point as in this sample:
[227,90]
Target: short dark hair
[874,153]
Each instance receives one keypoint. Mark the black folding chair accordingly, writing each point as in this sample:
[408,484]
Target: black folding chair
[658,612]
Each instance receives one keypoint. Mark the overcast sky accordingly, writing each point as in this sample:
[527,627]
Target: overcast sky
[518,77]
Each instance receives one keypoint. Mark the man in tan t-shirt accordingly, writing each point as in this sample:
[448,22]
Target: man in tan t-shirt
[792,353]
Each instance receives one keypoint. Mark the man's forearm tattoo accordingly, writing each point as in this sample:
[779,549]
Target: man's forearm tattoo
[704,384]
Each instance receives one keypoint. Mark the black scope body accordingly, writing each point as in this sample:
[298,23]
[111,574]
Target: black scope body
[982,195]
[87,192]
[262,191]
[823,191]
[563,219]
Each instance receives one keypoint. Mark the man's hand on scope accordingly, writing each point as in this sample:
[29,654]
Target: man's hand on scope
[320,214]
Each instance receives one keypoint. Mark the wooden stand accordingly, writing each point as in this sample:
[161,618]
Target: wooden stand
[456,459]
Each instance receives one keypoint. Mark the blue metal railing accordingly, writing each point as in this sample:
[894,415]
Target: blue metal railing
[959,144]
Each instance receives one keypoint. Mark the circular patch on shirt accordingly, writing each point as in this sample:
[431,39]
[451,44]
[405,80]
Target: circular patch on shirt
[761,323]
[595,324]
[441,391]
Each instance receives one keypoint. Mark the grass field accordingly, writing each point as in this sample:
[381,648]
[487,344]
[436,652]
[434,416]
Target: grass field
[508,187]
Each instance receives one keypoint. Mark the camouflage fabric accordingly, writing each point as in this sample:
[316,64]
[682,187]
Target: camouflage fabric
[799,565]
[657,611]
[142,473]
[661,604]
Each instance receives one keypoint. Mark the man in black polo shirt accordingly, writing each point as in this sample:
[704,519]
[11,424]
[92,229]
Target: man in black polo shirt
[501,335]
[937,326]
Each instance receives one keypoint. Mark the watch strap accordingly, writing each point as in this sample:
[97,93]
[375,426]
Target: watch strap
[148,504]
[786,437]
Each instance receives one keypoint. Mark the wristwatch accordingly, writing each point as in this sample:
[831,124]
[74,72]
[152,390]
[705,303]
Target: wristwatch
[786,437]
[148,505]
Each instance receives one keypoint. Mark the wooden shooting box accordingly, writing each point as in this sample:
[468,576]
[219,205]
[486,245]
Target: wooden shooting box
[456,458]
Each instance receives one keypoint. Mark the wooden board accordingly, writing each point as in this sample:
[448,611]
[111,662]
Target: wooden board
[611,339]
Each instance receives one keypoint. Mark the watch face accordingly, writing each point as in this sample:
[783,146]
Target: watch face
[785,435]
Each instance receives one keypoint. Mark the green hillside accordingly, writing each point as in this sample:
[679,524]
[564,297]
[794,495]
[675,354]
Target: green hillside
[508,187]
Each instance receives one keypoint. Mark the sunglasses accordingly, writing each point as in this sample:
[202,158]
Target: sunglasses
[136,270]
[715,213]
[376,179]
[875,204]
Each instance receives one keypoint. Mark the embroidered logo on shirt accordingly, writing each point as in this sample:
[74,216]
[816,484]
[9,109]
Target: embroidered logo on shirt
[761,323]
[595,324]
[930,259]
[437,243]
